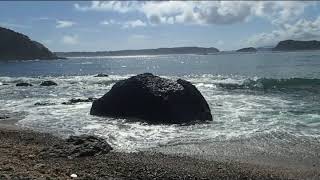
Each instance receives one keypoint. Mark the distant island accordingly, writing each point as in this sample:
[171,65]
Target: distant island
[292,45]
[16,46]
[248,49]
[158,51]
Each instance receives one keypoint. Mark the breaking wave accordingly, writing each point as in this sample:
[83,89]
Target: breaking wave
[294,84]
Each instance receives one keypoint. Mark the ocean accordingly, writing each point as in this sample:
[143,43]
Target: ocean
[265,100]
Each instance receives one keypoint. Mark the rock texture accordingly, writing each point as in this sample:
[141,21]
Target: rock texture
[154,100]
[291,45]
[248,49]
[16,46]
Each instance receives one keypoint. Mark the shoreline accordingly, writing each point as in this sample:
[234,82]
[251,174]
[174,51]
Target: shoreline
[20,156]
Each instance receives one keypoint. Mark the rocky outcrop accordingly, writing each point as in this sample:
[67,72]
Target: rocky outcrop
[16,46]
[291,45]
[79,146]
[248,49]
[23,84]
[48,83]
[153,99]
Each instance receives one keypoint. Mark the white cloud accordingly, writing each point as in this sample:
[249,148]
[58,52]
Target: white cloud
[133,24]
[204,12]
[40,19]
[126,24]
[108,22]
[64,24]
[70,39]
[301,30]
[279,12]
[119,6]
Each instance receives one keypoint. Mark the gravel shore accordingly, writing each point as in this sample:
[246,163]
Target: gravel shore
[21,158]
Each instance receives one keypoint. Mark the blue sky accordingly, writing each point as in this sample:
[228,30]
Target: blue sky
[108,25]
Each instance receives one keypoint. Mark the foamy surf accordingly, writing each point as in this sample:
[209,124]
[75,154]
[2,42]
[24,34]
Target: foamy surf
[237,114]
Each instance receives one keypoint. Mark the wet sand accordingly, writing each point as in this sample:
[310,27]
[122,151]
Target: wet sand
[300,154]
[20,157]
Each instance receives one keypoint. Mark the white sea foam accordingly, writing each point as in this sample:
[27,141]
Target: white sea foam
[236,114]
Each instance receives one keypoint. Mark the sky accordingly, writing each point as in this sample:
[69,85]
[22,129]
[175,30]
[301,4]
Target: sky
[118,25]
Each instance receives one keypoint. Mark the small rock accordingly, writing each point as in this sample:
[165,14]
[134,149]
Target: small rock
[8,168]
[23,84]
[73,175]
[39,166]
[77,100]
[48,83]
[43,104]
[70,157]
[4,117]
[4,177]
[101,75]
[86,145]
[31,156]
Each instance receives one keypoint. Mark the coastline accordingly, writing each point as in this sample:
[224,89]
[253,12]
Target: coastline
[20,156]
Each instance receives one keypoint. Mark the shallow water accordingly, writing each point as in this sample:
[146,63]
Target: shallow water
[269,97]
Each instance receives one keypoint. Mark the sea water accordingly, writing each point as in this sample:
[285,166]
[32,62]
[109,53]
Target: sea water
[271,98]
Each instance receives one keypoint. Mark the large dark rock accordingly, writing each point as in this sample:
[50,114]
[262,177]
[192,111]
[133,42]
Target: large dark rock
[154,100]
[48,83]
[291,45]
[16,46]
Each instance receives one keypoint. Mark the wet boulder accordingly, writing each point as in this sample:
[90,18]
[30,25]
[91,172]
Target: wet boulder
[154,100]
[48,83]
[23,84]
